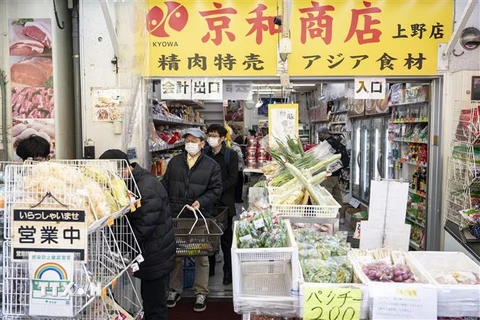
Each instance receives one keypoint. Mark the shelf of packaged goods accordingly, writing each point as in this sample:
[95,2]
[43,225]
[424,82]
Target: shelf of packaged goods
[335,132]
[422,141]
[345,190]
[412,103]
[197,104]
[166,120]
[409,120]
[418,193]
[418,164]
[170,146]
[339,112]
[415,245]
[414,221]
[338,122]
[319,121]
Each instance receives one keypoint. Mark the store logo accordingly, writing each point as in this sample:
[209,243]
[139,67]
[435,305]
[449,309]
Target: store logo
[160,24]
[51,280]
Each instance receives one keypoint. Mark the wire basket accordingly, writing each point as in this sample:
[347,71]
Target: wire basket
[220,216]
[196,237]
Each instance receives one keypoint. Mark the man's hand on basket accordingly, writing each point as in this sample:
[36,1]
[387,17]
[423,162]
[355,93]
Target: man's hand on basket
[196,205]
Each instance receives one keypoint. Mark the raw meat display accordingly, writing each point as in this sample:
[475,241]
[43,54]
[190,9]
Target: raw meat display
[21,45]
[33,103]
[32,71]
[40,30]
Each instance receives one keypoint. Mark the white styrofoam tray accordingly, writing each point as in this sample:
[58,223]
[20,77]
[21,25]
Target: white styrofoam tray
[454,300]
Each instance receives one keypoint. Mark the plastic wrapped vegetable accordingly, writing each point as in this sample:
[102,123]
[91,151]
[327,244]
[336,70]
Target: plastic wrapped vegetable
[335,270]
[378,271]
[402,273]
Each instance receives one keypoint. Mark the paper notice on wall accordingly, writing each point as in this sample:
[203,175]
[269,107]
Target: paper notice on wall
[398,238]
[378,202]
[371,235]
[397,204]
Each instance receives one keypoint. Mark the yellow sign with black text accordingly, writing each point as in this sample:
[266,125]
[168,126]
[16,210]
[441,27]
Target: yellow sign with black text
[207,38]
[329,38]
[346,38]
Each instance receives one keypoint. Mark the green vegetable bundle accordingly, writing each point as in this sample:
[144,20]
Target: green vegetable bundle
[261,230]
[323,257]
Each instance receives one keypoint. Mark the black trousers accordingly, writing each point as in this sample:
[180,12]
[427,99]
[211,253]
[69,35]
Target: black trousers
[226,245]
[239,187]
[154,296]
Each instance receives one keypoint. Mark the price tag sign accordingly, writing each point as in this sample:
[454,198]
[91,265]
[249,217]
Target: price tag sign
[332,303]
[402,301]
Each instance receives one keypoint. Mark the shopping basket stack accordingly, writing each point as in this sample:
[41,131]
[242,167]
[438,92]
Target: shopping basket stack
[196,236]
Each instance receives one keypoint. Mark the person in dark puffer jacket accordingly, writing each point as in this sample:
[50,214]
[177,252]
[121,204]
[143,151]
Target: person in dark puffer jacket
[192,179]
[153,228]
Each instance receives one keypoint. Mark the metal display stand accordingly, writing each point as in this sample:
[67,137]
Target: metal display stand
[102,285]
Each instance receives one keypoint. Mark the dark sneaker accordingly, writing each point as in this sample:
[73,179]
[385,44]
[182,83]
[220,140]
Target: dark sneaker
[200,303]
[173,298]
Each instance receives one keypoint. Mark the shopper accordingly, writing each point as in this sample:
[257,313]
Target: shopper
[228,162]
[34,147]
[153,228]
[192,179]
[232,143]
[332,183]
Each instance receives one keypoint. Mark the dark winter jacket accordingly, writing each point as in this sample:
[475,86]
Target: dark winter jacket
[152,225]
[339,149]
[203,182]
[229,177]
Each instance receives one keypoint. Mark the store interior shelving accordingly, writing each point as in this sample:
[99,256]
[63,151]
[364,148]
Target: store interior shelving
[170,119]
[409,145]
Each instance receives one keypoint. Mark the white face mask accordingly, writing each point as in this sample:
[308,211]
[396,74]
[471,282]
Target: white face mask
[192,148]
[213,142]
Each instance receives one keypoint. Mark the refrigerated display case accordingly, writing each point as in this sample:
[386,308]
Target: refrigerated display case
[369,155]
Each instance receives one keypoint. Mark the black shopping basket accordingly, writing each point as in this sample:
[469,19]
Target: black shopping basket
[220,216]
[196,237]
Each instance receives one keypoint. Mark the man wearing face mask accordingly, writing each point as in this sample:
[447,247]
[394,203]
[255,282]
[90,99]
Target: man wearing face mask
[228,161]
[194,179]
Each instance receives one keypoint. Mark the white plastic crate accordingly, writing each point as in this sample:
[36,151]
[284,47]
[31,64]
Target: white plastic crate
[365,293]
[265,288]
[454,300]
[264,278]
[328,210]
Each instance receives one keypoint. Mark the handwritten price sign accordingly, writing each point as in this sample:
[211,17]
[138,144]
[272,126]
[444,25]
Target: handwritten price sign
[332,303]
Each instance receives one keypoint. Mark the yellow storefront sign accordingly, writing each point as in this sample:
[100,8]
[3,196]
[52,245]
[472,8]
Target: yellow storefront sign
[329,38]
[207,38]
[345,38]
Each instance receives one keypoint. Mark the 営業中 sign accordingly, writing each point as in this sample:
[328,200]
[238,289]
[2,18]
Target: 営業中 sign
[49,230]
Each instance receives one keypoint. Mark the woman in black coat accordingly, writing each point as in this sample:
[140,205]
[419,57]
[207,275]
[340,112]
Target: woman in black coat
[153,228]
